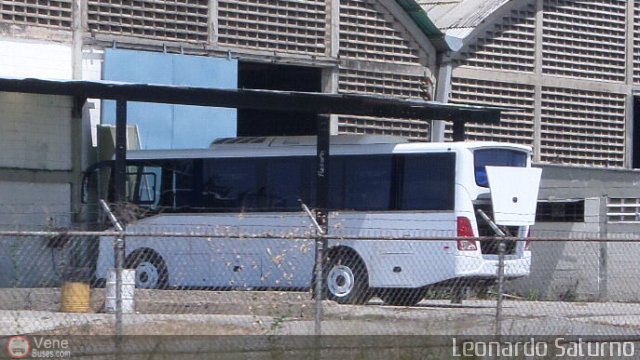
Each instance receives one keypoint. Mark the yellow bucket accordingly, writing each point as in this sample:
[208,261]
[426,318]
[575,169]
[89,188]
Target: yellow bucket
[75,297]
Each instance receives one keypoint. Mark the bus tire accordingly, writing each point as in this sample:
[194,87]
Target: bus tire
[151,270]
[402,297]
[345,278]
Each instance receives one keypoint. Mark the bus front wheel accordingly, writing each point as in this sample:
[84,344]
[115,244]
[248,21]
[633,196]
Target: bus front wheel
[151,270]
[346,280]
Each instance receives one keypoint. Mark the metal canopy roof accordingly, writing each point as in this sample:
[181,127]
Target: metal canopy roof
[321,103]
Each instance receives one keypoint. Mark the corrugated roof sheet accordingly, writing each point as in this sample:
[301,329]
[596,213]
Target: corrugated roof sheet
[419,15]
[437,8]
[464,14]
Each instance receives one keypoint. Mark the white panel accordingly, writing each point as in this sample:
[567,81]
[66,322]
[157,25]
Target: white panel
[92,62]
[514,194]
[35,131]
[27,59]
[34,206]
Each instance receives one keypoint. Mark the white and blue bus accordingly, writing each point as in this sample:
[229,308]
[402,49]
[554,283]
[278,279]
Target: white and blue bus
[385,195]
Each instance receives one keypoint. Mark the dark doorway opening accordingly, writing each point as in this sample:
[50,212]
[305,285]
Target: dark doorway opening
[635,156]
[277,77]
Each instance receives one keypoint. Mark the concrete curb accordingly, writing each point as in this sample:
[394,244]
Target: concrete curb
[260,303]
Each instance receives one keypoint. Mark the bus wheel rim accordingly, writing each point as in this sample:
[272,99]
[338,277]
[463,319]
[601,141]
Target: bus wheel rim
[147,275]
[340,281]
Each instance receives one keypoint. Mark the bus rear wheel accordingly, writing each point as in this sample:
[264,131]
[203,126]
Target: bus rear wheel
[346,280]
[402,297]
[151,270]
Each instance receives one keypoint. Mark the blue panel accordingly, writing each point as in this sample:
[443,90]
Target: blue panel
[205,71]
[155,124]
[173,126]
[200,125]
[138,66]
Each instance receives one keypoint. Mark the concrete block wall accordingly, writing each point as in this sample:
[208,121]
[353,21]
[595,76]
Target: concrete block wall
[35,131]
[567,270]
[623,271]
[38,163]
[564,270]
[28,261]
[581,270]
[35,136]
[34,206]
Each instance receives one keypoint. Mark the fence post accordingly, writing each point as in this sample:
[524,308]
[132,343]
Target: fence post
[317,270]
[501,251]
[119,264]
[118,248]
[322,204]
[603,291]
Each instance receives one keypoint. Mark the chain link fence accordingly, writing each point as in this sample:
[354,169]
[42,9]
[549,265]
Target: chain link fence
[255,278]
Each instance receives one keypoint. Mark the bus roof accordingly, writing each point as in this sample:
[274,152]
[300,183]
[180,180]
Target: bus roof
[305,145]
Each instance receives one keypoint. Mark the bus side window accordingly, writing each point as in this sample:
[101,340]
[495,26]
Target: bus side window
[176,185]
[428,182]
[142,185]
[336,182]
[149,188]
[367,182]
[183,182]
[284,184]
[360,182]
[229,184]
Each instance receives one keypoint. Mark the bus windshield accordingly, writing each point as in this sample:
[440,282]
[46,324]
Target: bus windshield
[495,157]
